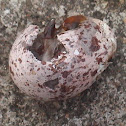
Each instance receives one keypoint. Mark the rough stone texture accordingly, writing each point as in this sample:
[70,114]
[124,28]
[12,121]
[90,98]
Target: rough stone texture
[104,104]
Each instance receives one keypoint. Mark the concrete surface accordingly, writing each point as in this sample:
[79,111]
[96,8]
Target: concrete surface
[104,104]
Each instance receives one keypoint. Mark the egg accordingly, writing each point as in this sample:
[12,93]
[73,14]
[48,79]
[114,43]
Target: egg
[60,63]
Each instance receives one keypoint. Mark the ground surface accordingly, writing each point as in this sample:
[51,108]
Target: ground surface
[104,104]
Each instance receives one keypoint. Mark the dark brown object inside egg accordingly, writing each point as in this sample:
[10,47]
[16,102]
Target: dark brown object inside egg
[46,46]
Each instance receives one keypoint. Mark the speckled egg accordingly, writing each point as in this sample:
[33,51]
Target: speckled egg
[60,63]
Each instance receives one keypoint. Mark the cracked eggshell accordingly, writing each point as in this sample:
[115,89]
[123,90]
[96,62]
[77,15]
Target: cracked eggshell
[89,48]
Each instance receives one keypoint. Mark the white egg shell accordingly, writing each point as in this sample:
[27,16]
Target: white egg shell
[89,47]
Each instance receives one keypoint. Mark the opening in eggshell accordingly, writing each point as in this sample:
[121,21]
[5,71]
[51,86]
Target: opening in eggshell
[46,46]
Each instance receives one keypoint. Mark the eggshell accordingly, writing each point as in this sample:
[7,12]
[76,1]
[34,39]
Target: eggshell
[89,48]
